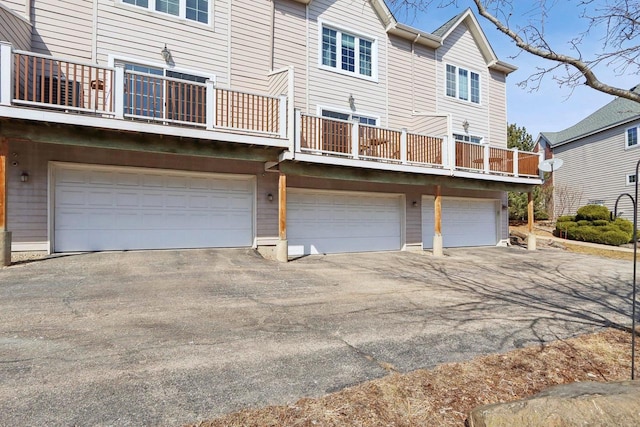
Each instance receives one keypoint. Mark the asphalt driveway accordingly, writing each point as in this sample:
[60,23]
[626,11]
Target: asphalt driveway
[171,337]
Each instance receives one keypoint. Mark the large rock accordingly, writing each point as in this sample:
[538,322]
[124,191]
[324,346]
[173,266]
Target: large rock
[615,404]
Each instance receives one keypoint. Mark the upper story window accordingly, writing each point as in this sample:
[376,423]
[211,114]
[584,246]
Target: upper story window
[194,10]
[468,138]
[348,53]
[463,84]
[631,139]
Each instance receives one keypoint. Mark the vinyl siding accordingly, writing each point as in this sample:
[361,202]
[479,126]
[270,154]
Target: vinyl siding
[66,38]
[597,167]
[497,109]
[331,89]
[18,6]
[15,30]
[251,36]
[461,50]
[289,44]
[433,126]
[279,83]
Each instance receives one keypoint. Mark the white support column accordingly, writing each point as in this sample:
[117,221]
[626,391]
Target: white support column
[283,116]
[298,131]
[540,159]
[6,73]
[515,162]
[118,90]
[403,146]
[452,152]
[445,151]
[292,125]
[211,104]
[355,140]
[485,157]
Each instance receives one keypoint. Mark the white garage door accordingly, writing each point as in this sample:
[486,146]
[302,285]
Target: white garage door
[465,222]
[320,222]
[113,208]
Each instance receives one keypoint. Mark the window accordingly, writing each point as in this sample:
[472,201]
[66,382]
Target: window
[193,10]
[462,84]
[631,179]
[145,94]
[364,120]
[632,137]
[468,138]
[348,53]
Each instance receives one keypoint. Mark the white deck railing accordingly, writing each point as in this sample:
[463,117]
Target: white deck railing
[43,81]
[342,138]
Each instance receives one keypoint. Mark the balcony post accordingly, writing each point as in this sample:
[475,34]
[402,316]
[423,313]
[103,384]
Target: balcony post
[282,247]
[355,140]
[444,149]
[298,131]
[283,116]
[540,172]
[6,73]
[531,236]
[516,157]
[452,152]
[118,90]
[485,157]
[403,146]
[211,104]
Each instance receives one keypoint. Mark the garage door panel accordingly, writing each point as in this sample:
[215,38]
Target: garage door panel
[471,222]
[331,222]
[113,208]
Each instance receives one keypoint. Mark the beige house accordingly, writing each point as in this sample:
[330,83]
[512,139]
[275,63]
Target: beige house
[293,126]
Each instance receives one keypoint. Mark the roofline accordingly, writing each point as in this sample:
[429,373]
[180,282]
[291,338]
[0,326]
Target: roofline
[584,135]
[415,35]
[505,67]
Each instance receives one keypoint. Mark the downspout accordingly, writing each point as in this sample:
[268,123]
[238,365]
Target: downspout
[229,11]
[306,17]
[273,31]
[413,73]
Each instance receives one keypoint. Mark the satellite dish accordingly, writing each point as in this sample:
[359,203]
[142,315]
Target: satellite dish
[550,165]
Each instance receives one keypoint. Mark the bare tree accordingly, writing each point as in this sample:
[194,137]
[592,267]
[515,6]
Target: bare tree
[618,20]
[567,200]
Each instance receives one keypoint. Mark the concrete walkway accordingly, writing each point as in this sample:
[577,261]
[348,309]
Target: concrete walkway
[173,337]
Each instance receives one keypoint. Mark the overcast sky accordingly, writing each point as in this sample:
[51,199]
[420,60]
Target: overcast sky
[551,108]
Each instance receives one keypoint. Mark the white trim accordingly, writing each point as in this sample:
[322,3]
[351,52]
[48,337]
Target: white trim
[17,14]
[267,241]
[30,247]
[52,166]
[320,107]
[627,180]
[359,35]
[181,17]
[139,126]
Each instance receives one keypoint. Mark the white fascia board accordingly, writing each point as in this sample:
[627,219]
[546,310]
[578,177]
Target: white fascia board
[135,126]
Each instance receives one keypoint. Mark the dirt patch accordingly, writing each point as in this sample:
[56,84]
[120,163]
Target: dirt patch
[606,253]
[443,396]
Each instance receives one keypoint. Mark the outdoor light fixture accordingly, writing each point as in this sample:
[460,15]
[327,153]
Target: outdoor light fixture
[270,197]
[24,177]
[352,102]
[166,54]
[414,204]
[465,125]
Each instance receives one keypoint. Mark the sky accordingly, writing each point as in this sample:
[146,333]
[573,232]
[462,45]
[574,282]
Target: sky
[550,108]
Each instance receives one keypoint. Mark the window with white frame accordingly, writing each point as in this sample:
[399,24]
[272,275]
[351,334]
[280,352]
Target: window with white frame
[363,120]
[148,94]
[462,84]
[631,139]
[468,138]
[631,179]
[193,10]
[348,53]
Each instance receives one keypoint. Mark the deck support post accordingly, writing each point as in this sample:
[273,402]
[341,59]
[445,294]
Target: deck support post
[437,236]
[531,236]
[282,247]
[5,236]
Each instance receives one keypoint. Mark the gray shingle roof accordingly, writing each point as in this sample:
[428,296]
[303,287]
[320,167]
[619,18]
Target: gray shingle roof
[618,111]
[442,30]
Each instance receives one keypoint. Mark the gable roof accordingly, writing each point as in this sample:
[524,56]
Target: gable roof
[436,39]
[615,113]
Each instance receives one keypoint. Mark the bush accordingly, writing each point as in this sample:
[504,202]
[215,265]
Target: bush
[593,212]
[600,222]
[615,237]
[584,223]
[541,216]
[614,233]
[566,218]
[624,225]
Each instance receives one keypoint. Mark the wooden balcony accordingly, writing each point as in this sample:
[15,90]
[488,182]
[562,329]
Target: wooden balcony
[350,140]
[43,82]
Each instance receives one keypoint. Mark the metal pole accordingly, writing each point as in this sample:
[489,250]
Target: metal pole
[635,258]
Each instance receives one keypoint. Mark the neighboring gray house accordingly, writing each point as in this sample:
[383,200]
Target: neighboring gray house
[600,154]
